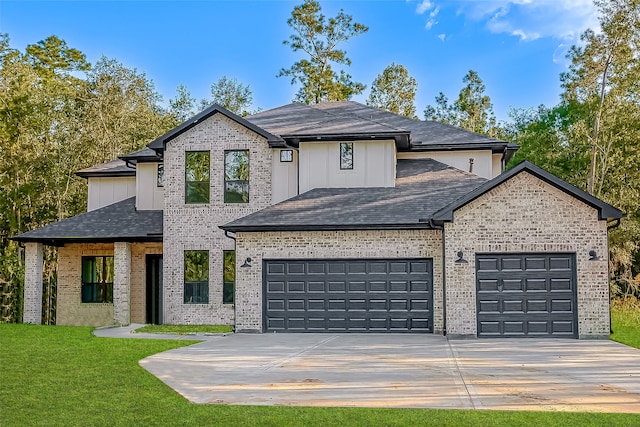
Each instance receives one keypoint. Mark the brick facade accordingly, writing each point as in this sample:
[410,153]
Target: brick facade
[33,283]
[328,244]
[71,310]
[195,226]
[525,214]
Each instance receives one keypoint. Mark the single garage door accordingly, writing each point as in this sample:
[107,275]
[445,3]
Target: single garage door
[370,295]
[526,295]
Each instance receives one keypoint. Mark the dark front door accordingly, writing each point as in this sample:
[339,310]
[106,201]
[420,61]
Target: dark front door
[526,295]
[154,289]
[348,295]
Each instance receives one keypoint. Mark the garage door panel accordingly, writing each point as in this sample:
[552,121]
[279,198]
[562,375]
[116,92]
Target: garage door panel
[537,300]
[348,296]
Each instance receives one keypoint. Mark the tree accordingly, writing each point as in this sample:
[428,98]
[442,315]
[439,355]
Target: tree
[601,63]
[394,90]
[181,107]
[319,39]
[232,95]
[472,110]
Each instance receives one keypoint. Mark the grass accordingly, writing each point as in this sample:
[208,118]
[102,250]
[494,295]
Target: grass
[57,375]
[185,329]
[625,321]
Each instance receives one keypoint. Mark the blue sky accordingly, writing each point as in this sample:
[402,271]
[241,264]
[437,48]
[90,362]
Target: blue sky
[516,46]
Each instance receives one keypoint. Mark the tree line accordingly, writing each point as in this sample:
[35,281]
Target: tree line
[59,114]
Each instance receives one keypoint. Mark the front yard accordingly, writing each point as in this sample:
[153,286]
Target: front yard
[66,376]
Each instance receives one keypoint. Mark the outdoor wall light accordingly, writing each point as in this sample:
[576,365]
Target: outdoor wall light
[593,256]
[247,262]
[460,259]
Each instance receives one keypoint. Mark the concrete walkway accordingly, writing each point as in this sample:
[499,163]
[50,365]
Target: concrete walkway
[402,371]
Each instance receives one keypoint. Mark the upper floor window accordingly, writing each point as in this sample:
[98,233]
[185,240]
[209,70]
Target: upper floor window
[196,277]
[346,155]
[197,177]
[97,279]
[286,155]
[229,276]
[160,175]
[236,176]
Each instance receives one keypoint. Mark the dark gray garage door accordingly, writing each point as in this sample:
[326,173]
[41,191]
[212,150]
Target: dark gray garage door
[371,295]
[526,295]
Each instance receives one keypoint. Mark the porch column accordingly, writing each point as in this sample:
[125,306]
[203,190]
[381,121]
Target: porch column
[33,283]
[121,283]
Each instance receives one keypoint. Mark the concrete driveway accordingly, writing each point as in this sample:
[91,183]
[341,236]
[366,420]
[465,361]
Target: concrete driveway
[404,371]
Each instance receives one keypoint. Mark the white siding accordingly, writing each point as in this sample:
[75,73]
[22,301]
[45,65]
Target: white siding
[109,190]
[483,161]
[373,165]
[284,177]
[148,195]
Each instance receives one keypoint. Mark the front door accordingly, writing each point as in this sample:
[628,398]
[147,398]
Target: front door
[154,289]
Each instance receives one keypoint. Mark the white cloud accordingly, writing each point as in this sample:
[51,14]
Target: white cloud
[432,18]
[442,37]
[531,20]
[423,6]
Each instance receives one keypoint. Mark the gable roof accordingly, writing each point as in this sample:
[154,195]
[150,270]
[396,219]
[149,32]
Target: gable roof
[158,144]
[298,122]
[423,186]
[141,156]
[118,222]
[605,210]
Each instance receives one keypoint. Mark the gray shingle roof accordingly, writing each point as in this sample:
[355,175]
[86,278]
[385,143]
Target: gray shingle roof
[115,167]
[348,117]
[117,222]
[144,155]
[422,187]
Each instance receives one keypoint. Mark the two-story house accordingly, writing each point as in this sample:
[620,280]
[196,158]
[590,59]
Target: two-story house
[330,217]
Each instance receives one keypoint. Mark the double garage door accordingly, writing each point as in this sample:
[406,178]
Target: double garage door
[526,295]
[348,295]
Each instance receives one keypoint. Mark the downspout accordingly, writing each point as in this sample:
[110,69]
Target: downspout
[434,226]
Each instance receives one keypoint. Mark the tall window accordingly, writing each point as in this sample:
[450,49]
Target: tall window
[197,177]
[97,279]
[229,276]
[160,175]
[346,155]
[196,277]
[236,176]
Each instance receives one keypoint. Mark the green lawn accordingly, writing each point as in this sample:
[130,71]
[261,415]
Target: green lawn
[57,375]
[185,329]
[625,321]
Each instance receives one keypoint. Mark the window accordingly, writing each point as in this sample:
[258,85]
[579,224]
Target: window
[286,156]
[160,175]
[346,155]
[97,279]
[229,276]
[197,177]
[236,176]
[196,277]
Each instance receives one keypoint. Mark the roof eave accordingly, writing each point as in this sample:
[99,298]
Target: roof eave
[605,210]
[63,240]
[324,227]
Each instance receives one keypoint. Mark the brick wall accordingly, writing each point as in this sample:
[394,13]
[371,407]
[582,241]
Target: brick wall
[33,283]
[328,244]
[195,227]
[525,214]
[71,310]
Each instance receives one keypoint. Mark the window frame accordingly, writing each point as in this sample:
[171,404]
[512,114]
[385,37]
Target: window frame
[228,286]
[187,182]
[349,156]
[286,156]
[198,287]
[102,292]
[160,175]
[245,183]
